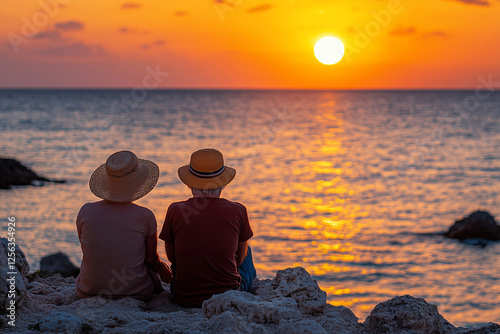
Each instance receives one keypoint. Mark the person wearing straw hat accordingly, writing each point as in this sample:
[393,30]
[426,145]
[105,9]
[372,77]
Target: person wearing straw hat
[119,238]
[206,236]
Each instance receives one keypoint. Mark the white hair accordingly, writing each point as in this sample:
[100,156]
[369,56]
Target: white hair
[207,192]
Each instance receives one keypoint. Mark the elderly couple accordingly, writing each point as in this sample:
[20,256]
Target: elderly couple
[205,236]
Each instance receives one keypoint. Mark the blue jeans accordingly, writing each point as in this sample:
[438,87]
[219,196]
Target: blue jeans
[247,272]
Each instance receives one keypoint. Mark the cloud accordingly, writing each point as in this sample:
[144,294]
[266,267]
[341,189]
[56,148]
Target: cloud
[159,42]
[475,2]
[124,30]
[53,35]
[260,8]
[75,49]
[131,5]
[230,3]
[70,25]
[411,31]
[127,30]
[181,13]
[436,33]
[403,31]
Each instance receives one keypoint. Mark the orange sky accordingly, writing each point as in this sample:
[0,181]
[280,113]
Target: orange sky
[249,44]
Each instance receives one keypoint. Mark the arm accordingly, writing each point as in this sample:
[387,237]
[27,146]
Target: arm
[79,223]
[153,259]
[169,248]
[241,252]
[167,235]
[245,234]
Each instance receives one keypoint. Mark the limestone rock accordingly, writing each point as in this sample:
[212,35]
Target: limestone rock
[491,328]
[163,302]
[305,326]
[339,320]
[252,308]
[230,323]
[479,224]
[12,285]
[138,326]
[297,284]
[13,173]
[51,291]
[101,312]
[51,305]
[59,263]
[60,322]
[407,314]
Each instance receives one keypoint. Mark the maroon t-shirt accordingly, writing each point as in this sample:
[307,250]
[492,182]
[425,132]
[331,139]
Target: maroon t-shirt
[205,233]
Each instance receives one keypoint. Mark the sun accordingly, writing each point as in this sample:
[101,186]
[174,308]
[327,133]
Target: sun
[329,50]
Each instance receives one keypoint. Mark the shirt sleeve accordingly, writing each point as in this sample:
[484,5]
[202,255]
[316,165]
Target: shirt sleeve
[166,232]
[152,225]
[79,221]
[246,230]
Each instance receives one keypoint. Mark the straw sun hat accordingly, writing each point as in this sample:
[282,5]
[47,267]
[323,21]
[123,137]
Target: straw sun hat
[206,170]
[124,178]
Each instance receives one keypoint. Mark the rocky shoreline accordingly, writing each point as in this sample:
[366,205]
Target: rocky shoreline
[292,302]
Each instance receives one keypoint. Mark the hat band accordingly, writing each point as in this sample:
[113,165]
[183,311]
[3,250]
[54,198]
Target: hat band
[206,174]
[124,173]
[127,173]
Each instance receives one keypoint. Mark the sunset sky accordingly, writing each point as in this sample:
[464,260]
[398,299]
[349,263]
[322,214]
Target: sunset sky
[249,44]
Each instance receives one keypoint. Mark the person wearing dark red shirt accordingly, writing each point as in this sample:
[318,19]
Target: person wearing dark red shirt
[206,237]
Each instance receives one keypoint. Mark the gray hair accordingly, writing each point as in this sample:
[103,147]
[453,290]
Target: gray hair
[207,192]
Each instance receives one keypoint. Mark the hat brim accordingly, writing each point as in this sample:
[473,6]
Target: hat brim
[197,182]
[127,188]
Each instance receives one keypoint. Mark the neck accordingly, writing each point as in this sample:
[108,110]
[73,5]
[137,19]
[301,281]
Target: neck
[210,196]
[211,193]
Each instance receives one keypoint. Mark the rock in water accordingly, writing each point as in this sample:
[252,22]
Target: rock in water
[407,314]
[12,286]
[479,224]
[59,263]
[13,173]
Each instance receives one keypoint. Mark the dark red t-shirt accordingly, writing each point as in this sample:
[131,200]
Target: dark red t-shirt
[205,233]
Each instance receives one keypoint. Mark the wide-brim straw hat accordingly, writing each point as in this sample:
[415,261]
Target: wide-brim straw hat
[124,178]
[206,170]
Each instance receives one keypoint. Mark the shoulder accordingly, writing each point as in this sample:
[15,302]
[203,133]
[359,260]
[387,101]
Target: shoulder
[176,208]
[87,212]
[85,207]
[179,204]
[141,210]
[90,206]
[235,205]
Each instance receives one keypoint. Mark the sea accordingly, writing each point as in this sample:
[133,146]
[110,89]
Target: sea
[357,187]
